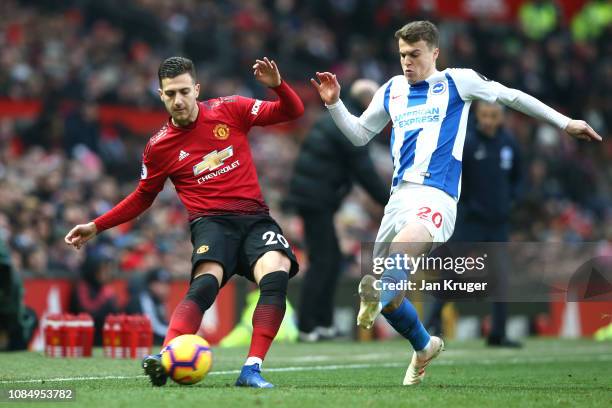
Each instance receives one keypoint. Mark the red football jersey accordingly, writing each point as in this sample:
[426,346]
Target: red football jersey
[209,161]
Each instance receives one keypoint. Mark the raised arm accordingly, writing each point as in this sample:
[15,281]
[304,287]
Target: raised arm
[531,106]
[288,107]
[471,85]
[358,130]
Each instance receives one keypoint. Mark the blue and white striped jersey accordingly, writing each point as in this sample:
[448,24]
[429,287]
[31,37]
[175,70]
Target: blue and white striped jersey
[429,123]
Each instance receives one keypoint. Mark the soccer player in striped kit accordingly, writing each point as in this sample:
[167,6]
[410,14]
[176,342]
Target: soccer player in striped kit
[429,110]
[204,150]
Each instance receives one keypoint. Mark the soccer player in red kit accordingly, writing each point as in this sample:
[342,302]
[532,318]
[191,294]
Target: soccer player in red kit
[204,150]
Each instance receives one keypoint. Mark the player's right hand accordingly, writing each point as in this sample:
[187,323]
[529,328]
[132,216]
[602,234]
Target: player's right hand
[328,88]
[79,235]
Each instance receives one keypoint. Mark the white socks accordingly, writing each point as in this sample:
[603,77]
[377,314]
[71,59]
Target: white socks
[253,360]
[425,351]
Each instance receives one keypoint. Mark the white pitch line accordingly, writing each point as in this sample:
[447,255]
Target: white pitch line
[516,360]
[227,372]
[108,377]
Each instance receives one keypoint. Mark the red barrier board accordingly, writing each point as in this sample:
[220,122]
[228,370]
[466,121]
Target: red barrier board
[52,296]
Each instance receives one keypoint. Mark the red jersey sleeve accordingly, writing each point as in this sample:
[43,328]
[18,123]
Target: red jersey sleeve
[152,174]
[152,179]
[255,112]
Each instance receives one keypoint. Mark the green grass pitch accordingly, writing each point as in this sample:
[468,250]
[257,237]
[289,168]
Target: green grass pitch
[565,373]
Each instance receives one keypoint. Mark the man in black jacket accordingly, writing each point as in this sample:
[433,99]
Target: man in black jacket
[324,173]
[490,184]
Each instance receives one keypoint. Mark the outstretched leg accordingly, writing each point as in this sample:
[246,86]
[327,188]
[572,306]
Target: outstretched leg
[271,273]
[387,296]
[187,316]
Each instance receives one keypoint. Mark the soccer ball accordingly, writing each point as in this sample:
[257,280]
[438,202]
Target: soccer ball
[187,359]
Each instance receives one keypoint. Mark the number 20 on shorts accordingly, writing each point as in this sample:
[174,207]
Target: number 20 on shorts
[273,238]
[424,214]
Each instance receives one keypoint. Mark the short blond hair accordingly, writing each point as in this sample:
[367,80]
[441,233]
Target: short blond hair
[419,30]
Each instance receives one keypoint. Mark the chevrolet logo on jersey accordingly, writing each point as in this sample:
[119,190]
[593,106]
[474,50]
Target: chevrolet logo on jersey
[213,160]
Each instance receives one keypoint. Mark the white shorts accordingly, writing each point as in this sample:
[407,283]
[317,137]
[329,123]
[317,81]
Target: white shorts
[412,202]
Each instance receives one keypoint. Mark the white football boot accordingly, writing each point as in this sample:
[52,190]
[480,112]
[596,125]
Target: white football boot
[369,306]
[416,370]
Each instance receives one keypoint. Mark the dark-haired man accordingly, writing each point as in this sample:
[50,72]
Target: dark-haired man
[204,150]
[491,184]
[429,110]
[323,175]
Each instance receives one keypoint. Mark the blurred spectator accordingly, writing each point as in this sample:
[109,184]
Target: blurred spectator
[490,187]
[593,20]
[324,173]
[82,128]
[151,300]
[17,321]
[93,293]
[539,18]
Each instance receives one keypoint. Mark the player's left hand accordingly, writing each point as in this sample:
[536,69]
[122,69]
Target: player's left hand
[581,130]
[266,72]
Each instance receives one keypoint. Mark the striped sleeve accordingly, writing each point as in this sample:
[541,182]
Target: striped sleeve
[471,85]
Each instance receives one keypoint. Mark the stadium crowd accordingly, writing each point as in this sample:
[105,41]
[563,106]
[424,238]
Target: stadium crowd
[64,167]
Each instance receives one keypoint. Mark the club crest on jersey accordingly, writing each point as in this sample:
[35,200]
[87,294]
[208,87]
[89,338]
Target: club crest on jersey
[506,156]
[143,172]
[221,131]
[438,88]
[213,160]
[202,249]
